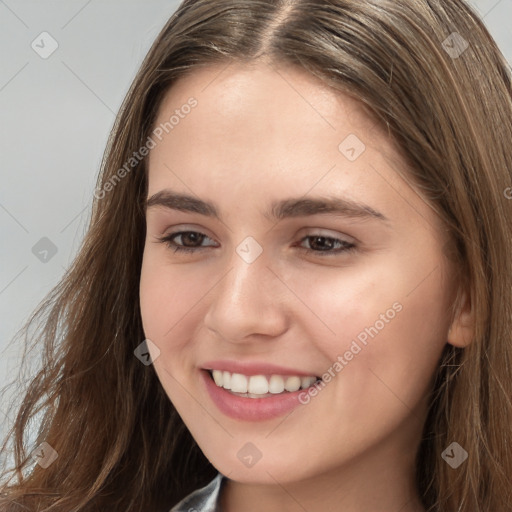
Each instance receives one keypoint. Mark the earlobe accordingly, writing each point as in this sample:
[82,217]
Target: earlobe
[462,329]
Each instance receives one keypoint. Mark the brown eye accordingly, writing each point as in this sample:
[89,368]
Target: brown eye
[324,245]
[190,241]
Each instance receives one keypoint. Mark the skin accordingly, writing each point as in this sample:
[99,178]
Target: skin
[261,133]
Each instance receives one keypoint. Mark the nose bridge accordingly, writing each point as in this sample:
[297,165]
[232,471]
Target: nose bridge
[244,302]
[247,282]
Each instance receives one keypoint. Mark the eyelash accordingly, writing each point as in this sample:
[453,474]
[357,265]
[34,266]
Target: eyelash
[168,240]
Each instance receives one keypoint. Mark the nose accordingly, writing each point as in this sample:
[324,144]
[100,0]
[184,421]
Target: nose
[250,300]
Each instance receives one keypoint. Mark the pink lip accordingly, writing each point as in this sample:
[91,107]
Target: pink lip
[250,409]
[252,368]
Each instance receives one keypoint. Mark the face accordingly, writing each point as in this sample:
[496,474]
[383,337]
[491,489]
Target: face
[301,255]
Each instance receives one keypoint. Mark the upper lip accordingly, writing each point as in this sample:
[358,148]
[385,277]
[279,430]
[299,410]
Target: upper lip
[253,368]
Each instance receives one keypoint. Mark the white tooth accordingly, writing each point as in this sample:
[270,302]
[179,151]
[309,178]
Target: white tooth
[238,383]
[217,377]
[226,380]
[276,384]
[258,385]
[292,383]
[306,382]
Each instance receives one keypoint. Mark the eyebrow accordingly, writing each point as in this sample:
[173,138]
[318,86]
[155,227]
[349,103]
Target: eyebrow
[286,208]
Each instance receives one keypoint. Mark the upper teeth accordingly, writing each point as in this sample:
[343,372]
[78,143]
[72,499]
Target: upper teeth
[260,384]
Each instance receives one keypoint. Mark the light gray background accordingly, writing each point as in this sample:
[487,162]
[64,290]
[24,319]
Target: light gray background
[56,114]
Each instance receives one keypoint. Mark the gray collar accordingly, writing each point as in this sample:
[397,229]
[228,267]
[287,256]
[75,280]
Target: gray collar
[202,500]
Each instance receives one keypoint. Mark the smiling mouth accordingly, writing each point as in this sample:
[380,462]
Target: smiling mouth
[260,386]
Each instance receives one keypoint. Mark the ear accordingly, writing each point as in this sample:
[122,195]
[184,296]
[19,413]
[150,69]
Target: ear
[462,329]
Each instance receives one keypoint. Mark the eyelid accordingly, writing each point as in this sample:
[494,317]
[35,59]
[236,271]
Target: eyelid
[327,233]
[166,238]
[346,246]
[308,232]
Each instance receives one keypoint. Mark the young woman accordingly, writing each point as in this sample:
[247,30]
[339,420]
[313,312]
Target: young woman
[295,290]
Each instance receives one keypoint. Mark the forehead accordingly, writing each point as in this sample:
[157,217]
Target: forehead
[258,133]
[261,115]
[242,91]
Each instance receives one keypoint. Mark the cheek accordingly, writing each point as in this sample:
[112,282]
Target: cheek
[157,298]
[167,295]
[342,302]
[387,323]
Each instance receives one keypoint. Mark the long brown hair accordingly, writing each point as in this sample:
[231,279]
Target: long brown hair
[429,72]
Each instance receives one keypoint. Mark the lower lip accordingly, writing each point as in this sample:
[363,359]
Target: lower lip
[251,409]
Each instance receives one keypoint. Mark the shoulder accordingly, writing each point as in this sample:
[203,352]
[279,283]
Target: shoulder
[202,500]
